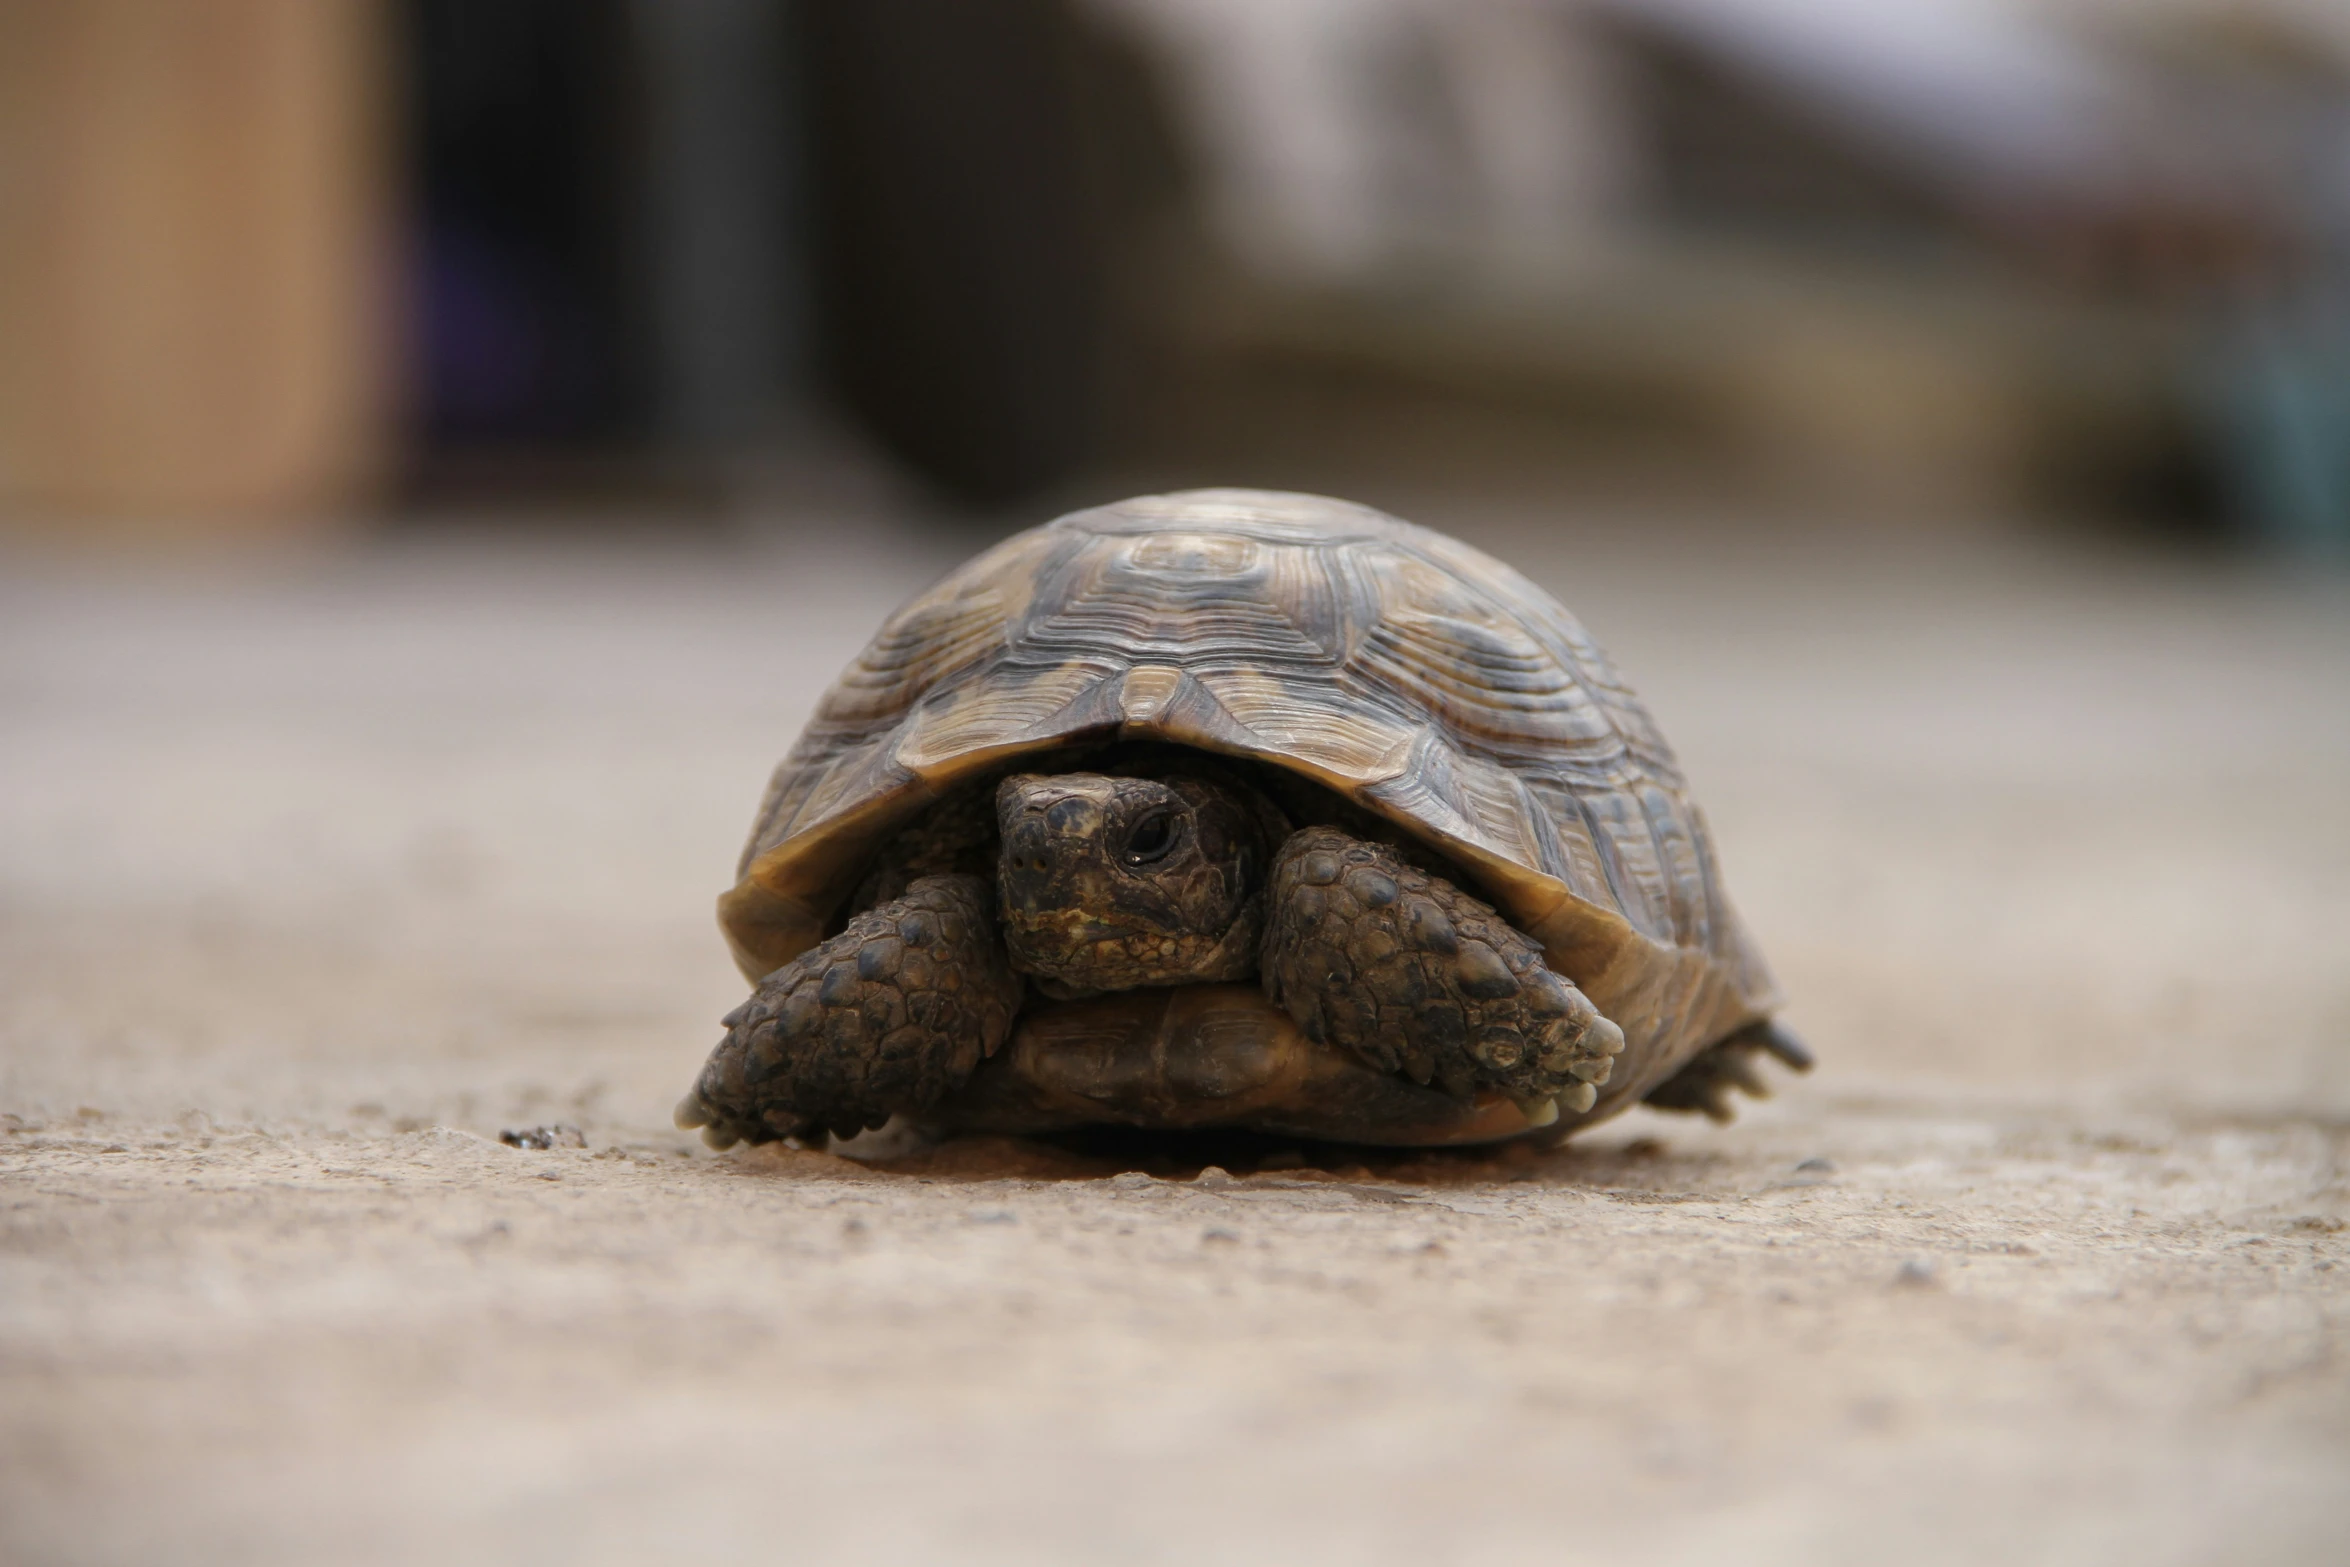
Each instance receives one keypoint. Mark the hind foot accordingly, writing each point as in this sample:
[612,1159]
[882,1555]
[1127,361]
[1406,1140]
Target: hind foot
[1728,1064]
[886,1018]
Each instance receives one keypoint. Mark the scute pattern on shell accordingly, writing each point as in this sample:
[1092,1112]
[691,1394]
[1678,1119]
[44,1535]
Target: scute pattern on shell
[1401,668]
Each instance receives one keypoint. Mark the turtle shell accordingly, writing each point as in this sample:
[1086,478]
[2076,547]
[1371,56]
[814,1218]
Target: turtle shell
[1416,677]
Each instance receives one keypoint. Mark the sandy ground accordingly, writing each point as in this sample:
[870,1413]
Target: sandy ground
[317,875]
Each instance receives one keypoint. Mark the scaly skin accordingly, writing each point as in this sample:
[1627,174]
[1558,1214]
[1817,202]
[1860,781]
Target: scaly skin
[1414,975]
[887,1017]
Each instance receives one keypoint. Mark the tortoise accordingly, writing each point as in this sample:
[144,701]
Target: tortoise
[1232,809]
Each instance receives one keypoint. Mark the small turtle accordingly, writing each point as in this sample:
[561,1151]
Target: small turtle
[1231,809]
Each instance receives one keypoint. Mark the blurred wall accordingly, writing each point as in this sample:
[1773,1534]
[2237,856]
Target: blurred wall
[193,200]
[957,263]
[265,260]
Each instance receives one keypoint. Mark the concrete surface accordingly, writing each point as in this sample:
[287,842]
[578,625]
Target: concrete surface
[317,874]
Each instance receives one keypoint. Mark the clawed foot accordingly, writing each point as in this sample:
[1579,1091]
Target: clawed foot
[1414,975]
[886,1018]
[1726,1066]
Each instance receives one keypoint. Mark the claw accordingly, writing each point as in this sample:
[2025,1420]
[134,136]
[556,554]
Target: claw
[690,1113]
[1539,1112]
[1579,1098]
[1739,1069]
[1603,1037]
[1791,1051]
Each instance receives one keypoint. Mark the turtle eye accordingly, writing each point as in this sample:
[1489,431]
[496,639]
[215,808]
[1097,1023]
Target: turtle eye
[1151,838]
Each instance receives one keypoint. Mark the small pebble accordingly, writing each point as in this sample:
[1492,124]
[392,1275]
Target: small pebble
[541,1138]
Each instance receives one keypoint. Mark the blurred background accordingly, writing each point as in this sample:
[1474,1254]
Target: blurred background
[447,447]
[289,265]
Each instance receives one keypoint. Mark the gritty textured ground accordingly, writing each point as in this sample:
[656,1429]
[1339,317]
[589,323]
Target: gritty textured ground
[316,876]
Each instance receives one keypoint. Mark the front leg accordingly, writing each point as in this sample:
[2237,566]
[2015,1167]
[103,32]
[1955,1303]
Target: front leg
[889,1016]
[1414,975]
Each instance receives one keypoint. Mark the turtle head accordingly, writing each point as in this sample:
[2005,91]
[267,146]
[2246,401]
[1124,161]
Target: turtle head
[1112,883]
